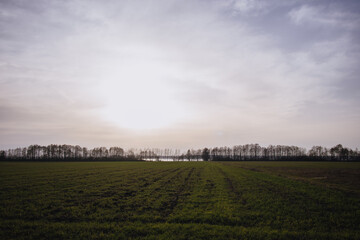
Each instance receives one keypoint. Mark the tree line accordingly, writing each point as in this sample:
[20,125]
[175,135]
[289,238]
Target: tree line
[280,152]
[235,153]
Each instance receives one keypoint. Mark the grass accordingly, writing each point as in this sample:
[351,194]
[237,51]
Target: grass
[182,200]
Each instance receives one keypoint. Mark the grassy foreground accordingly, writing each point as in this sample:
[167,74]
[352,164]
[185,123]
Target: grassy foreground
[182,200]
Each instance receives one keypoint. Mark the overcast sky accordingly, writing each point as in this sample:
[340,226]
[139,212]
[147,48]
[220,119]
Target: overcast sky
[179,74]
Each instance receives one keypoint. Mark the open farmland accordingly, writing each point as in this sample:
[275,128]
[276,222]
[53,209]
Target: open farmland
[180,200]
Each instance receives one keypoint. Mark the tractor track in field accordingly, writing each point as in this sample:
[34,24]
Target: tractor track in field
[167,206]
[267,185]
[281,190]
[141,188]
[169,180]
[231,186]
[175,200]
[134,190]
[111,191]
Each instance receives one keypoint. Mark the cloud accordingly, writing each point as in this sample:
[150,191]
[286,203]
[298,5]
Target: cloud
[172,74]
[327,16]
[247,6]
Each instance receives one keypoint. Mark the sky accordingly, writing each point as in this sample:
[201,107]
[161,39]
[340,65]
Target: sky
[179,74]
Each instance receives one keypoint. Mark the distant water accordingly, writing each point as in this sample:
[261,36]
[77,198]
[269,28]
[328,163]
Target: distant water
[169,160]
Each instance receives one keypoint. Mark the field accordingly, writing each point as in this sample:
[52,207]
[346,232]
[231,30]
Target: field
[180,200]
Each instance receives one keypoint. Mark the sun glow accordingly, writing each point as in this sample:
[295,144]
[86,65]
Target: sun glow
[136,88]
[142,112]
[139,105]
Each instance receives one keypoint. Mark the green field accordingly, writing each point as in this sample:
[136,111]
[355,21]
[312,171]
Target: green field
[180,200]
